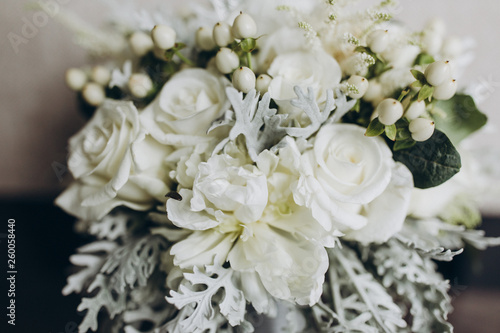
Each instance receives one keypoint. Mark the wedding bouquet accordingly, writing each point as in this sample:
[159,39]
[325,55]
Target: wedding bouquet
[251,159]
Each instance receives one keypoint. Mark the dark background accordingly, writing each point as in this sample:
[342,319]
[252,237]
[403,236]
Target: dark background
[45,239]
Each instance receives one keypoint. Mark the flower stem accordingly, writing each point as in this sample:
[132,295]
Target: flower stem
[183,58]
[249,60]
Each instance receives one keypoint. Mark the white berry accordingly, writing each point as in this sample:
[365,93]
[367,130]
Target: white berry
[222,34]
[262,84]
[93,94]
[378,40]
[101,75]
[76,79]
[389,111]
[360,83]
[445,90]
[163,36]
[226,60]
[204,39]
[140,85]
[421,129]
[438,72]
[415,110]
[244,26]
[244,79]
[141,43]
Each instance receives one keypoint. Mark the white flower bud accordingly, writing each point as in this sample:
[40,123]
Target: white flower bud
[244,26]
[140,85]
[438,72]
[93,94]
[244,79]
[141,43]
[101,75]
[226,60]
[222,34]
[378,40]
[360,83]
[76,79]
[204,39]
[163,36]
[421,129]
[415,110]
[389,111]
[445,90]
[374,92]
[262,84]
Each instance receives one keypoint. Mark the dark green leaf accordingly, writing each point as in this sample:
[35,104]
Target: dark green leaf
[425,92]
[390,131]
[424,59]
[458,117]
[375,128]
[431,162]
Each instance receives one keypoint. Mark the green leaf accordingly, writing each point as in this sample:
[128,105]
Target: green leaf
[391,131]
[425,92]
[424,59]
[458,117]
[375,128]
[419,76]
[431,162]
[403,144]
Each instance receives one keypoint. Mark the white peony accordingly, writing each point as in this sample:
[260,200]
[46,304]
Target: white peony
[245,214]
[114,163]
[185,107]
[351,184]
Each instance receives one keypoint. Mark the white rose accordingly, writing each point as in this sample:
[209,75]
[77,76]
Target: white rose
[186,107]
[114,163]
[350,182]
[317,70]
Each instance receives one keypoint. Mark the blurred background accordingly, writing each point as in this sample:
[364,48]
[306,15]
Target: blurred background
[39,114]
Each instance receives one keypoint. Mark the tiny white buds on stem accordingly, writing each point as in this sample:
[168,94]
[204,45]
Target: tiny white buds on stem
[163,36]
[378,40]
[204,39]
[415,110]
[101,75]
[93,94]
[389,111]
[222,34]
[226,60]
[244,79]
[141,43]
[262,84]
[244,26]
[140,85]
[76,79]
[438,72]
[445,90]
[421,129]
[360,83]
